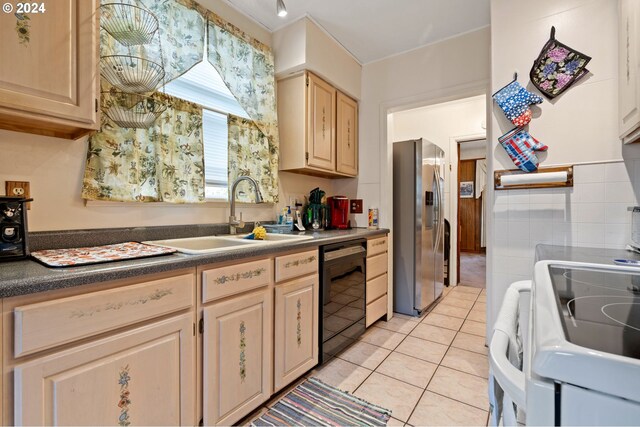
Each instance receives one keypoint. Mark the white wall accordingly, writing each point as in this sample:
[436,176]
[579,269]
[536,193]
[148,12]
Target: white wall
[303,44]
[579,126]
[55,168]
[442,124]
[452,69]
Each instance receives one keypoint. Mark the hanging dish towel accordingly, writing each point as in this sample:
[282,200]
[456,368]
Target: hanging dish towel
[557,67]
[521,147]
[515,101]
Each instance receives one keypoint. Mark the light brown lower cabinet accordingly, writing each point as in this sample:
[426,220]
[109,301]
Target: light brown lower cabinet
[237,356]
[144,376]
[296,329]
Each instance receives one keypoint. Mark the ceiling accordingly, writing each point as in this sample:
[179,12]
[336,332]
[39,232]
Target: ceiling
[375,29]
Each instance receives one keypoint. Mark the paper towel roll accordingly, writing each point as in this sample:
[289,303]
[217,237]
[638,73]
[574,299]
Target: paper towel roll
[533,178]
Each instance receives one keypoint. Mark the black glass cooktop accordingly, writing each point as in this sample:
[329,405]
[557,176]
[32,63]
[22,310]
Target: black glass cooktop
[600,309]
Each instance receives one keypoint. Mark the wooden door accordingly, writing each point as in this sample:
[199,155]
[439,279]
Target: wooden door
[49,63]
[237,356]
[321,140]
[346,135]
[629,61]
[470,211]
[145,376]
[296,329]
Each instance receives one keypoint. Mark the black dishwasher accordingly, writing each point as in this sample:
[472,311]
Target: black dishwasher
[342,296]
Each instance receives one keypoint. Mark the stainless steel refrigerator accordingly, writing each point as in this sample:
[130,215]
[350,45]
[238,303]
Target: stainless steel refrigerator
[418,225]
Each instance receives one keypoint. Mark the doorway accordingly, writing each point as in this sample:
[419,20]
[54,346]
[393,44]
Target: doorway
[471,235]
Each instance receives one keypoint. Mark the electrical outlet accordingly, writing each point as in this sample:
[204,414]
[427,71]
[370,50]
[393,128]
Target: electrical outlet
[18,189]
[356,206]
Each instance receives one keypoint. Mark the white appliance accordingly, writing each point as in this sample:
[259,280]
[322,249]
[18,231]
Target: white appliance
[418,225]
[581,335]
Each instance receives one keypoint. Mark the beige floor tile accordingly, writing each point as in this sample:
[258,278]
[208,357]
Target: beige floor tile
[460,386]
[467,361]
[443,321]
[393,422]
[475,328]
[469,289]
[477,315]
[396,324]
[342,375]
[482,298]
[382,337]
[408,369]
[462,296]
[434,333]
[480,306]
[436,410]
[457,302]
[422,349]
[390,393]
[405,317]
[470,342]
[449,310]
[483,292]
[364,354]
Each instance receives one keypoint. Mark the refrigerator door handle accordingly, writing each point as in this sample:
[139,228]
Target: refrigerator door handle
[438,220]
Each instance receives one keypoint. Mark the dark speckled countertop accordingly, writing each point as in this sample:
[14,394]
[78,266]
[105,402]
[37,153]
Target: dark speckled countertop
[28,276]
[582,254]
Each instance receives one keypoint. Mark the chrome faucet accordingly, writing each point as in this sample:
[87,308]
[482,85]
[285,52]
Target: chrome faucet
[238,223]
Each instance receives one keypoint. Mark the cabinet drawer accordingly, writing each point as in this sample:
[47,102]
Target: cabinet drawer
[296,265]
[377,287]
[47,324]
[234,279]
[376,265]
[377,246]
[376,310]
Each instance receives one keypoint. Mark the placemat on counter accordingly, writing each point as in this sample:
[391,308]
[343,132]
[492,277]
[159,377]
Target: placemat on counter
[98,254]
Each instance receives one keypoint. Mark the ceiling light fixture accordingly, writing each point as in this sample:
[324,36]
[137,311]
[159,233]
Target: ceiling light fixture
[282,9]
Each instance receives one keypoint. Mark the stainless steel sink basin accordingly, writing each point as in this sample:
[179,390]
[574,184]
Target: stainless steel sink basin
[201,245]
[271,237]
[212,244]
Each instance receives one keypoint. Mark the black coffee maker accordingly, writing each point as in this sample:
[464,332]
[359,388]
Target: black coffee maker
[13,228]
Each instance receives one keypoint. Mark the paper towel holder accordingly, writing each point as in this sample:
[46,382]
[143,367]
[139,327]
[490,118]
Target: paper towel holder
[537,179]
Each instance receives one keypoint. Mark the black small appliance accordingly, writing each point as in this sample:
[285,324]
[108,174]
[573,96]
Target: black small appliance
[13,228]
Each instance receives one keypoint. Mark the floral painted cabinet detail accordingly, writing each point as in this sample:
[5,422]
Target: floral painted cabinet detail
[113,381]
[296,329]
[237,356]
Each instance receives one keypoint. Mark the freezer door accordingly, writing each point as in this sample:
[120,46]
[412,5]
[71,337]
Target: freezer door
[439,243]
[425,289]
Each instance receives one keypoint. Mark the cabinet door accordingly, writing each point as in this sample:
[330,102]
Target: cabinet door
[321,141]
[145,376]
[629,46]
[53,74]
[237,356]
[347,135]
[296,329]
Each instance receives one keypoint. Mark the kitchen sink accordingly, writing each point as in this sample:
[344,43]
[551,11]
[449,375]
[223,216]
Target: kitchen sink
[212,244]
[270,237]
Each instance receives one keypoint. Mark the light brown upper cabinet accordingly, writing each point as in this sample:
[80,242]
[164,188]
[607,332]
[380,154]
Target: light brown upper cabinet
[318,127]
[49,69]
[346,135]
[628,76]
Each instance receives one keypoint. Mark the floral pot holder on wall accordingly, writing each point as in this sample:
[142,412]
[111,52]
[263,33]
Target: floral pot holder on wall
[557,67]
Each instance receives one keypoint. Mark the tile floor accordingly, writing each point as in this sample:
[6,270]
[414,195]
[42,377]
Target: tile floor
[429,371]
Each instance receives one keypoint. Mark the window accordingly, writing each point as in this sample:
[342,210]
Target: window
[203,85]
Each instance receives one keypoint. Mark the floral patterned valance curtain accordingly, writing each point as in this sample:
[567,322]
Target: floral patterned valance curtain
[252,153]
[162,163]
[247,68]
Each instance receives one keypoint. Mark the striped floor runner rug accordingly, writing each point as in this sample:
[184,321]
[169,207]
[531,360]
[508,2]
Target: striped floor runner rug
[314,403]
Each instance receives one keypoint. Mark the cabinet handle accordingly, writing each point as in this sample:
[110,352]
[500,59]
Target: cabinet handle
[299,326]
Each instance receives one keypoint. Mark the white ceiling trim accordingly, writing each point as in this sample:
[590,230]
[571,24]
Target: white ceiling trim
[248,15]
[473,30]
